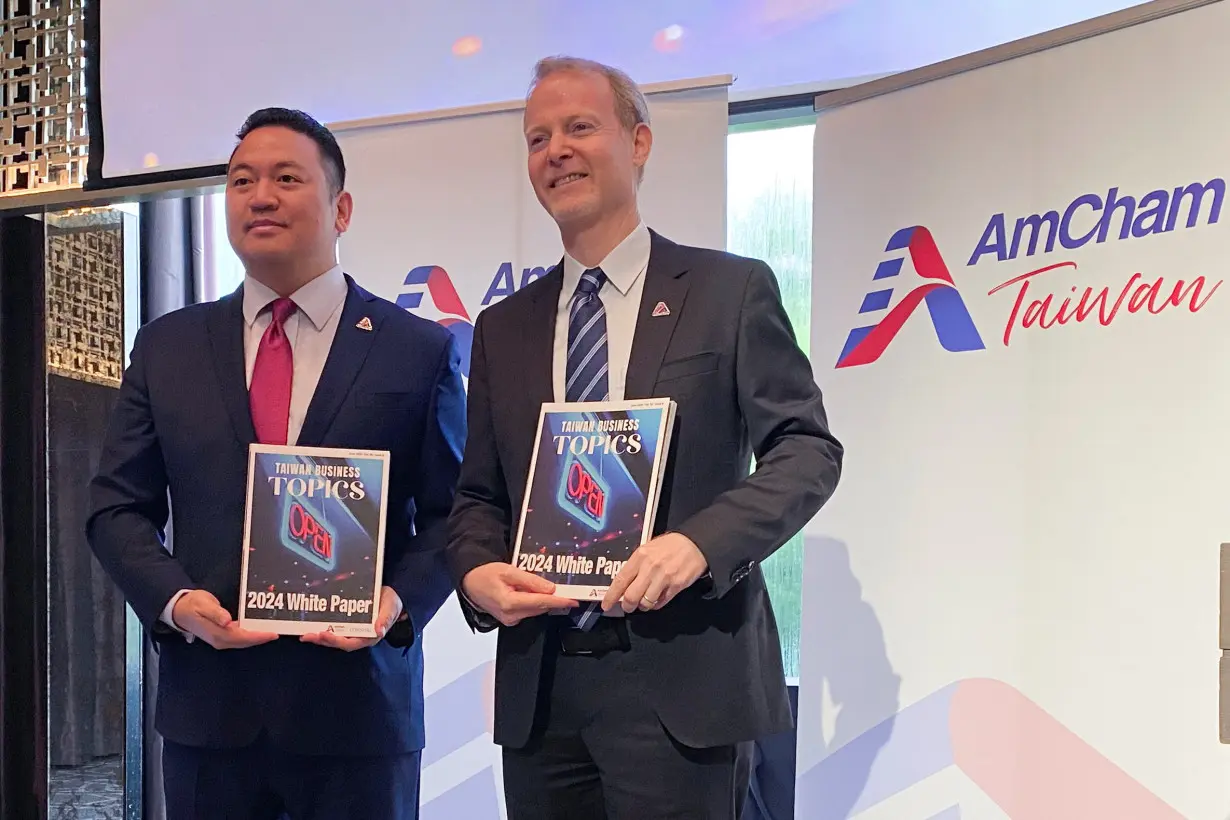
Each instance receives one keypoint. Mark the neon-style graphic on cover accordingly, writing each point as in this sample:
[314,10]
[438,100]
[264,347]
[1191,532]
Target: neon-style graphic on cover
[592,492]
[313,540]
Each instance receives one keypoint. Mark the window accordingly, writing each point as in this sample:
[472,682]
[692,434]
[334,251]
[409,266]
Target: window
[769,196]
[223,272]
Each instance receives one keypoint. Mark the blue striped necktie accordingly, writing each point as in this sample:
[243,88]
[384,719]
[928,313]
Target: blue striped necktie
[587,375]
[587,358]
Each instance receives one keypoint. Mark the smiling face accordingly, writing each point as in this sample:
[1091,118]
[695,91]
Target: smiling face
[584,163]
[281,208]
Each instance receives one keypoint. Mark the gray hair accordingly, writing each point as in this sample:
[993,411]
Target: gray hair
[630,103]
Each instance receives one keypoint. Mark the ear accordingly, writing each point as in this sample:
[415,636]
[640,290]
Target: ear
[642,143]
[341,215]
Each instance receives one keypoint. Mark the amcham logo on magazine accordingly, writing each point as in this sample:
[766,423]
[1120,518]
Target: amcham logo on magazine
[1047,296]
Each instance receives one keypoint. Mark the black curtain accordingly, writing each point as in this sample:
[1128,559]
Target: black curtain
[172,255]
[85,610]
[23,538]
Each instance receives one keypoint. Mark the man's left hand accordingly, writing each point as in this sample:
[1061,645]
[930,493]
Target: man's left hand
[655,573]
[390,611]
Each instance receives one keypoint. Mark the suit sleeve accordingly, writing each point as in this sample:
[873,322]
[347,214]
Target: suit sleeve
[481,517]
[798,461]
[420,577]
[129,507]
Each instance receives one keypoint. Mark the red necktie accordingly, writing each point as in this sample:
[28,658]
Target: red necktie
[269,394]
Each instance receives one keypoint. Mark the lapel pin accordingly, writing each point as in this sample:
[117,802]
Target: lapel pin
[364,324]
[660,309]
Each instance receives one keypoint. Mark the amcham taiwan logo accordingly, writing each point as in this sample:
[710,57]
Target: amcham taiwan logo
[1052,295]
[435,280]
[950,317]
[449,311]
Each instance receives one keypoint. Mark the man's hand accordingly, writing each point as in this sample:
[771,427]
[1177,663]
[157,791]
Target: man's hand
[655,573]
[511,595]
[200,613]
[390,611]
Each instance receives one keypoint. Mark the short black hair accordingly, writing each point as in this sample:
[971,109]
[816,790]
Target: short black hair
[330,152]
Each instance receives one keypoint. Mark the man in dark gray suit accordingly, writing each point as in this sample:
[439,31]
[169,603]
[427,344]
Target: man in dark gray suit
[648,708]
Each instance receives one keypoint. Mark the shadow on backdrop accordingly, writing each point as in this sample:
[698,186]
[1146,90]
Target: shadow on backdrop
[842,650]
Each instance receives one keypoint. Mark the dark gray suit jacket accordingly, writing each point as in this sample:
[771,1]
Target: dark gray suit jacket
[711,659]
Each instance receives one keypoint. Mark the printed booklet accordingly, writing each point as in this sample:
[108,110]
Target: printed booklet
[313,540]
[592,491]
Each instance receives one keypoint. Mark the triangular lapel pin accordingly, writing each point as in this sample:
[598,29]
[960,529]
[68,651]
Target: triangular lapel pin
[660,309]
[364,324]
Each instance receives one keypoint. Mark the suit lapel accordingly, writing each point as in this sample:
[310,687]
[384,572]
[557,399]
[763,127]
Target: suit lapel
[226,327]
[665,283]
[540,347]
[346,356]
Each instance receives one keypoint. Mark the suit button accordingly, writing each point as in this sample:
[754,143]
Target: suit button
[740,573]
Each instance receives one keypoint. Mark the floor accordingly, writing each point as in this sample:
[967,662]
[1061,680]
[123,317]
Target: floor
[94,791]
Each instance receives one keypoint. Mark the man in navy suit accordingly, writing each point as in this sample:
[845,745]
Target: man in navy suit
[256,725]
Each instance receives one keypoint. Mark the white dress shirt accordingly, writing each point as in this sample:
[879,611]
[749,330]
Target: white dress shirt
[625,269]
[310,331]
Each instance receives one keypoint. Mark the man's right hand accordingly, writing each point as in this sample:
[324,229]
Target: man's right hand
[200,613]
[511,595]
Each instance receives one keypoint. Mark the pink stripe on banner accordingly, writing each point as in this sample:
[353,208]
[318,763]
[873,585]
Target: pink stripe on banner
[1033,767]
[876,341]
[1017,754]
[928,262]
[444,294]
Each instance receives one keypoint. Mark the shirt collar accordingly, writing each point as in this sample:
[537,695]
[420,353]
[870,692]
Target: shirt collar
[318,299]
[622,266]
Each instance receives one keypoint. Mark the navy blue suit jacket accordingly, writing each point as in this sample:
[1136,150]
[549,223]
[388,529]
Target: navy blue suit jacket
[182,425]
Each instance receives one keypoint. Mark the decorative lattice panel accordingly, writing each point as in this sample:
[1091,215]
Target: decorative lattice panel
[85,301]
[43,138]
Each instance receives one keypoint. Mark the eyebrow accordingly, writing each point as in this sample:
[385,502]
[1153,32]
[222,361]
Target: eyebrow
[243,166]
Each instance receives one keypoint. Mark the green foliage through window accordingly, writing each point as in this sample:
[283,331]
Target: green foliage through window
[769,207]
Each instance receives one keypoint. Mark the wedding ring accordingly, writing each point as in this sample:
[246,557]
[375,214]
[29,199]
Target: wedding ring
[648,603]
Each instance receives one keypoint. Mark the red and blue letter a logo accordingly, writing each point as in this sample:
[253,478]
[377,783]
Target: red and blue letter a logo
[951,319]
[444,296]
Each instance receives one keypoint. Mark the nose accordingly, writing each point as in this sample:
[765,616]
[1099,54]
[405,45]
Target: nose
[263,196]
[559,148]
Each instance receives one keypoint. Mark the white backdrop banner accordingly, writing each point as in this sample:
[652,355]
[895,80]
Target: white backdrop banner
[445,224]
[1020,323]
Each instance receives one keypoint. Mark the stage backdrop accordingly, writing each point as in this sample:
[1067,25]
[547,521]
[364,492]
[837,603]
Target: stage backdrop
[1023,333]
[445,224]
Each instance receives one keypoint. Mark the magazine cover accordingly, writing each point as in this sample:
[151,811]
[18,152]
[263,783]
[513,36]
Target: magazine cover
[313,540]
[592,492]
